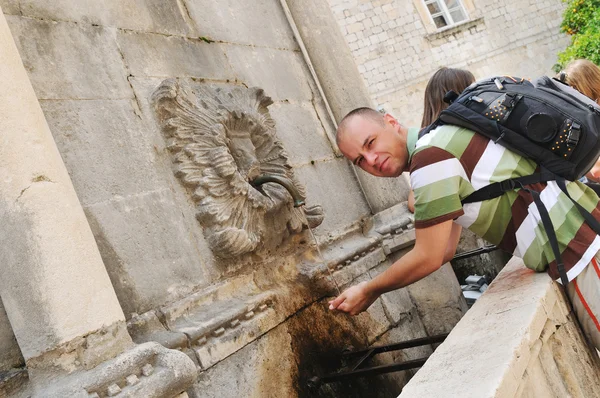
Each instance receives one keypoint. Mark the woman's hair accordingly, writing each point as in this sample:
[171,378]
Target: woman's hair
[584,76]
[442,81]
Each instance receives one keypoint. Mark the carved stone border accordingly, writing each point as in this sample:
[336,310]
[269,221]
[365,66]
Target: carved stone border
[206,329]
[188,325]
[147,370]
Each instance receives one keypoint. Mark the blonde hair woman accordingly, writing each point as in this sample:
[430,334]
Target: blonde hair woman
[584,76]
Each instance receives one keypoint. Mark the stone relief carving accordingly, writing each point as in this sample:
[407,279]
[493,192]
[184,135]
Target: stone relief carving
[221,140]
[146,370]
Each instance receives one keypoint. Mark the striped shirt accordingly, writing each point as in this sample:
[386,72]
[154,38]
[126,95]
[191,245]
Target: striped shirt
[450,163]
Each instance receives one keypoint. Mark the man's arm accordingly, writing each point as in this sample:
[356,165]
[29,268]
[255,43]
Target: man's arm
[452,242]
[411,201]
[429,253]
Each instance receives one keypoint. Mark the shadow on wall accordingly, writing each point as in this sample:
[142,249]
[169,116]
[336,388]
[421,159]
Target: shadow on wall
[318,338]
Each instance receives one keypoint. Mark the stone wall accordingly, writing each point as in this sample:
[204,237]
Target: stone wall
[397,47]
[520,339]
[95,68]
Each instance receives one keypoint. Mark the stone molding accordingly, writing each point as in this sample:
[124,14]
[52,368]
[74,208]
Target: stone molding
[221,140]
[80,368]
[211,324]
[453,29]
[215,330]
[216,322]
[147,370]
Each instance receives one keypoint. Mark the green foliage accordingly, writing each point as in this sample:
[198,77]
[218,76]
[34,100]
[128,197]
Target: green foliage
[578,14]
[581,20]
[586,45]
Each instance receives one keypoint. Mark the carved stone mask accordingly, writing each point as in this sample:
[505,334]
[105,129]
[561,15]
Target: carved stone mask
[244,153]
[220,141]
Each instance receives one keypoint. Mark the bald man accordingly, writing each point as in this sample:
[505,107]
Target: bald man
[446,166]
[379,144]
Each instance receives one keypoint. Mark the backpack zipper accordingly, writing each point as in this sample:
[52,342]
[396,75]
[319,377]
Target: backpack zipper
[578,105]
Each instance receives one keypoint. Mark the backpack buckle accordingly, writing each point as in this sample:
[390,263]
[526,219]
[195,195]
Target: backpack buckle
[507,185]
[509,100]
[574,133]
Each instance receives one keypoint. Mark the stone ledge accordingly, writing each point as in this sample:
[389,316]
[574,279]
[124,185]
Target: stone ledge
[211,324]
[214,323]
[491,350]
[386,232]
[147,370]
[219,330]
[450,30]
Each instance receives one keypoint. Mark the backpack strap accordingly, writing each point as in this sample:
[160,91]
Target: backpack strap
[432,126]
[591,220]
[499,188]
[587,216]
[551,233]
[595,186]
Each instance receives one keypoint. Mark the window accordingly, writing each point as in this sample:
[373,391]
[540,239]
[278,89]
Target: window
[446,12]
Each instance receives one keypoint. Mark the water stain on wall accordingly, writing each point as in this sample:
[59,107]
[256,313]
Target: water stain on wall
[318,337]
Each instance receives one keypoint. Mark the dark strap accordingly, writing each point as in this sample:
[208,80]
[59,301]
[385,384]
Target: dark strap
[432,126]
[574,134]
[551,233]
[591,221]
[509,103]
[498,188]
[595,186]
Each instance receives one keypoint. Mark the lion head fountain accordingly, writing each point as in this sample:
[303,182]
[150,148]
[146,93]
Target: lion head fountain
[221,140]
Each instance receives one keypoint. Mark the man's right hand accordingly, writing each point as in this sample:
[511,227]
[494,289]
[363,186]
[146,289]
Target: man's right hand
[432,245]
[354,300]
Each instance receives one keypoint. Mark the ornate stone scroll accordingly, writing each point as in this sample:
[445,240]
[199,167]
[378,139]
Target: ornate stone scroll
[146,370]
[220,141]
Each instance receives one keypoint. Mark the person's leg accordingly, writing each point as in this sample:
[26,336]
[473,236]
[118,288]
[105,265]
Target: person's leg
[584,293]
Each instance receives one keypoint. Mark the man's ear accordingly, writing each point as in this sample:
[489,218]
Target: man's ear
[390,119]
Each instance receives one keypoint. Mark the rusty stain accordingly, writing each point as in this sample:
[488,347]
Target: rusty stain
[318,336]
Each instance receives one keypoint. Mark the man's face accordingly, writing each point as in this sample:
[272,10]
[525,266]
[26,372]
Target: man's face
[378,149]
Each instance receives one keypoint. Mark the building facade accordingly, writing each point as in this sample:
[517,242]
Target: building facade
[399,44]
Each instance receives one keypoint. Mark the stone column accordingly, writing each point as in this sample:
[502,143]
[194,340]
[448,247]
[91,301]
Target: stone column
[56,292]
[53,283]
[342,84]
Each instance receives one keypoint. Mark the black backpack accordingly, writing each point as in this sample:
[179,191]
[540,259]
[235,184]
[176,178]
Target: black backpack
[546,121]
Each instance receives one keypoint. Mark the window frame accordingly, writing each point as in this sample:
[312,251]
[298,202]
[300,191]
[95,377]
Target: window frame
[445,12]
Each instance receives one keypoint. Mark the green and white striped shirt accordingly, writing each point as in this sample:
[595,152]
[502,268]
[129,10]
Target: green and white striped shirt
[450,163]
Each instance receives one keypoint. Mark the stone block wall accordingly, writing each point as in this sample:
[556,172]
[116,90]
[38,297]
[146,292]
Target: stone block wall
[309,344]
[520,339]
[397,47]
[94,67]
